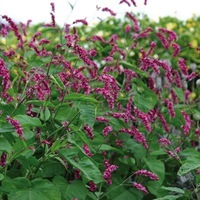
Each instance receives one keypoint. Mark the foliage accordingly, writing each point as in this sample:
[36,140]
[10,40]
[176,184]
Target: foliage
[111,110]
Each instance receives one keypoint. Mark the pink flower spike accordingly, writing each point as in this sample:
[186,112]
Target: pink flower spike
[87,150]
[109,10]
[182,65]
[83,21]
[140,187]
[125,1]
[127,28]
[170,107]
[107,130]
[133,2]
[187,126]
[92,186]
[164,141]
[144,172]
[89,132]
[52,6]
[16,125]
[191,76]
[176,49]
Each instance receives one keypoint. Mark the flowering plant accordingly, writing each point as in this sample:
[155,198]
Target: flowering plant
[107,115]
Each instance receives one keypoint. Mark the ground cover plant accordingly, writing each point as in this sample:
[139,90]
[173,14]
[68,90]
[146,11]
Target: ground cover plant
[105,112]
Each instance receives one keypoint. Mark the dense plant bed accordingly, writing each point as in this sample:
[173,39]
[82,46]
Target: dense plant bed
[110,112]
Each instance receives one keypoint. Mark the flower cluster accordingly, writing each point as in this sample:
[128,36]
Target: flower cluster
[186,128]
[144,172]
[87,150]
[109,169]
[89,131]
[140,187]
[16,125]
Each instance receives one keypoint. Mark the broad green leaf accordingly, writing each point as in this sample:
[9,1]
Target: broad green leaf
[116,123]
[170,197]
[88,112]
[76,190]
[6,109]
[65,112]
[6,130]
[56,145]
[5,145]
[28,54]
[41,103]
[190,152]
[126,195]
[88,168]
[19,71]
[80,134]
[190,164]
[144,98]
[134,68]
[52,168]
[62,185]
[157,167]
[69,152]
[1,177]
[173,189]
[80,97]
[105,147]
[25,120]
[39,189]
[56,79]
[45,114]
[158,152]
[179,93]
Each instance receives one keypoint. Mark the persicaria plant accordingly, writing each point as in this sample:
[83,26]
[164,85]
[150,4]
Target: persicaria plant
[102,112]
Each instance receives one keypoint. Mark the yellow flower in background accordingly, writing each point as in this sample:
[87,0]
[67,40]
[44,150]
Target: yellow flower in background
[3,40]
[171,25]
[194,43]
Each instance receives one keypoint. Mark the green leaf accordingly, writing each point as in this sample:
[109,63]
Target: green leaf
[80,134]
[45,114]
[71,6]
[190,152]
[144,98]
[56,79]
[39,189]
[65,112]
[1,177]
[179,93]
[20,71]
[190,164]
[173,189]
[62,185]
[88,168]
[157,167]
[76,190]
[69,152]
[126,195]
[116,123]
[105,147]
[80,97]
[88,112]
[6,109]
[170,197]
[52,168]
[134,68]
[5,145]
[28,54]
[25,120]
[41,103]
